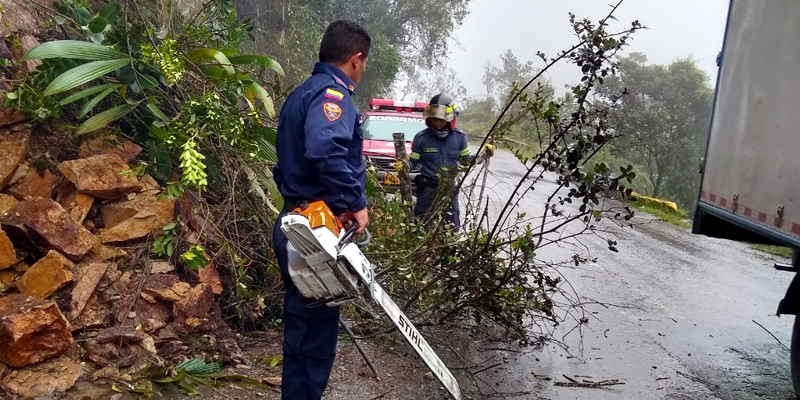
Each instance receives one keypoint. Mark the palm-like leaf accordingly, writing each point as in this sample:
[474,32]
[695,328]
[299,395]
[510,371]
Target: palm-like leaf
[82,74]
[74,49]
[104,118]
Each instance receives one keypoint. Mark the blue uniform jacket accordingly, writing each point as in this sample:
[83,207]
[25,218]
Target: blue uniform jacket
[433,152]
[320,143]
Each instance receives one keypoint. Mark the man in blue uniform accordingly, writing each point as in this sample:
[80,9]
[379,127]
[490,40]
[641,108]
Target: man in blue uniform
[319,148]
[437,152]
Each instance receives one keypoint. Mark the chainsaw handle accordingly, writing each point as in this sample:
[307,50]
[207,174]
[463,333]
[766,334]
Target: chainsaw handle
[350,234]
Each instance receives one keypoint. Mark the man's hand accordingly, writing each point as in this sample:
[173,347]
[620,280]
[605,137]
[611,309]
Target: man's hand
[360,217]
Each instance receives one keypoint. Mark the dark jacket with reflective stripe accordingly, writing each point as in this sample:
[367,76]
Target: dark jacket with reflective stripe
[432,152]
[320,143]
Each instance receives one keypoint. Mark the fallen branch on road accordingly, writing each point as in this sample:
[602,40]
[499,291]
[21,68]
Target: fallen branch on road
[773,336]
[588,384]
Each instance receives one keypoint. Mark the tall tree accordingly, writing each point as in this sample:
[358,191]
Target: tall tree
[419,83]
[403,32]
[663,121]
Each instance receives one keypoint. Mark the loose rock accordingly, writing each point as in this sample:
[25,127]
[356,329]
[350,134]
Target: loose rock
[110,144]
[106,176]
[49,274]
[8,256]
[95,313]
[161,267]
[77,204]
[196,303]
[10,116]
[34,184]
[43,379]
[7,202]
[31,330]
[133,219]
[14,147]
[88,277]
[45,223]
[101,252]
[210,277]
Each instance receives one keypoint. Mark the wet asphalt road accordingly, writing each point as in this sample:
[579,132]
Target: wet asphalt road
[678,320]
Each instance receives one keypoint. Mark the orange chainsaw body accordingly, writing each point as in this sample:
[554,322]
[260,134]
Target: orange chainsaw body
[319,214]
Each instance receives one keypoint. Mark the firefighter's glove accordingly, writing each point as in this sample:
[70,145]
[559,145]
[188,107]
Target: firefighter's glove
[399,165]
[488,150]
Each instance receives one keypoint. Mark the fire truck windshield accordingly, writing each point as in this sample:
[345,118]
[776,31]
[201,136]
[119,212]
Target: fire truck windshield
[380,127]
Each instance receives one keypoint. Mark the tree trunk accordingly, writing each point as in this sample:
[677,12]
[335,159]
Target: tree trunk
[405,179]
[659,180]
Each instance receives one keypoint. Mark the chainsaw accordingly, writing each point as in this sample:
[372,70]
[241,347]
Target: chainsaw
[327,267]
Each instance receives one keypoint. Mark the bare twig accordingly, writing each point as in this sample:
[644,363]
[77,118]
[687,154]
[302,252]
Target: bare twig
[773,336]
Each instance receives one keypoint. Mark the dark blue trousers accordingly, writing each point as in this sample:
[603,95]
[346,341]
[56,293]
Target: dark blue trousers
[425,197]
[309,336]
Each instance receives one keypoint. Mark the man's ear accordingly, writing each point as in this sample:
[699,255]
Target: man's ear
[356,58]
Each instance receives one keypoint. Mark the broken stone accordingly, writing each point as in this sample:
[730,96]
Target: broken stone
[120,335]
[170,332]
[209,276]
[133,219]
[110,144]
[274,381]
[7,202]
[103,354]
[22,267]
[45,379]
[46,276]
[152,316]
[14,147]
[7,279]
[28,42]
[31,330]
[9,116]
[34,185]
[160,267]
[149,184]
[105,176]
[95,313]
[21,172]
[165,287]
[8,256]
[101,252]
[77,204]
[47,224]
[107,372]
[196,303]
[88,277]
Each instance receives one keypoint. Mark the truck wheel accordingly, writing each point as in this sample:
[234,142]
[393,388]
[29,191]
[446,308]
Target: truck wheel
[795,356]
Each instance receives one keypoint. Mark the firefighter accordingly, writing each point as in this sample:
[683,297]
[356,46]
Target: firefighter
[319,147]
[436,152]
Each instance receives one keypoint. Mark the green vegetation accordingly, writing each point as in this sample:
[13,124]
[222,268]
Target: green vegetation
[662,212]
[659,123]
[780,251]
[201,106]
[406,35]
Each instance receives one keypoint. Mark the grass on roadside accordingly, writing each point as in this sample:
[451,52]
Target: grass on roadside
[780,251]
[661,211]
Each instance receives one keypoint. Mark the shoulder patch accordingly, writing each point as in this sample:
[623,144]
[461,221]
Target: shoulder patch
[333,94]
[332,111]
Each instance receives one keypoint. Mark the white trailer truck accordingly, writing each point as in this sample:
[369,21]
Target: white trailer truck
[750,187]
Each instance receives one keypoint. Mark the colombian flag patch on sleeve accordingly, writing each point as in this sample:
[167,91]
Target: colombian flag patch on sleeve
[333,94]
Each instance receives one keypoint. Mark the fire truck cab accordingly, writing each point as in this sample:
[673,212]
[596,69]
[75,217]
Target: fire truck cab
[380,122]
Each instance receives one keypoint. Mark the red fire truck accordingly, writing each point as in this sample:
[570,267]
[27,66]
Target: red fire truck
[380,122]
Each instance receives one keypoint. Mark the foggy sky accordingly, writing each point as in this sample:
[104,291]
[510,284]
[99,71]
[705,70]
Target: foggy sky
[677,28]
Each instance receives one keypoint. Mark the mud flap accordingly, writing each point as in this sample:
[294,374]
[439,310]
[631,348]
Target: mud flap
[416,341]
[791,301]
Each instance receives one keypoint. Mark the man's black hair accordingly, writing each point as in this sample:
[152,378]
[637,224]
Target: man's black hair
[342,40]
